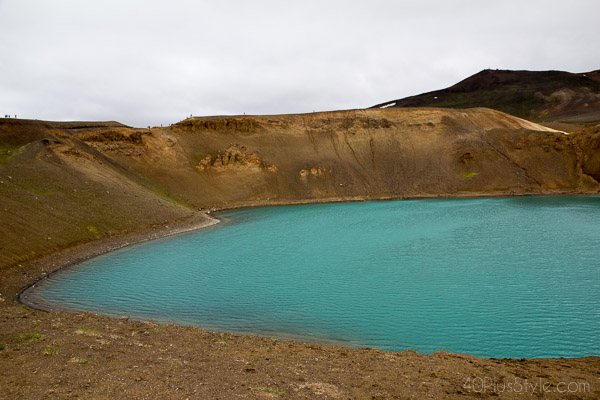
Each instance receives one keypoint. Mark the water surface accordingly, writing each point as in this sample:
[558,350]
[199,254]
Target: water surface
[501,277]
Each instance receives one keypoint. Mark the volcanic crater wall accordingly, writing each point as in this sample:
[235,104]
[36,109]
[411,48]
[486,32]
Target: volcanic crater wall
[361,154]
[65,183]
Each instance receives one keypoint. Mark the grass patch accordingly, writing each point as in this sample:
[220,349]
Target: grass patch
[7,151]
[88,332]
[164,194]
[542,115]
[2,346]
[50,351]
[32,337]
[42,192]
[470,175]
[273,391]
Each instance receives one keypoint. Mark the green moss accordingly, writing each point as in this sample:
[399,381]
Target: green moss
[164,194]
[50,351]
[275,391]
[2,346]
[470,175]
[7,151]
[41,192]
[88,332]
[33,337]
[93,229]
[542,115]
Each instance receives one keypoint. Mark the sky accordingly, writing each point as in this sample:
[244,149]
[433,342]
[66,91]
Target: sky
[157,62]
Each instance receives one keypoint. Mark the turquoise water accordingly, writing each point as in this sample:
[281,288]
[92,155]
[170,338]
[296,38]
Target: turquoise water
[493,277]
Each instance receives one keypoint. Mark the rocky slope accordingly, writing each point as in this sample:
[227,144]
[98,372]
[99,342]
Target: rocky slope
[360,154]
[63,183]
[56,191]
[541,96]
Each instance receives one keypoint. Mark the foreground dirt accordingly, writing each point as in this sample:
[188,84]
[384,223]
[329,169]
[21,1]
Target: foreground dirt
[85,356]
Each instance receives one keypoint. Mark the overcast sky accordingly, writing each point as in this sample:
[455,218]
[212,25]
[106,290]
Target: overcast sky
[156,62]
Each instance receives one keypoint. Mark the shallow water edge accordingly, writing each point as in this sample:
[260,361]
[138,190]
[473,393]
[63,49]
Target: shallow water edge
[23,297]
[71,257]
[64,260]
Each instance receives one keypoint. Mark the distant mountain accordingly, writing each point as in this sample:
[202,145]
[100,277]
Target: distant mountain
[535,95]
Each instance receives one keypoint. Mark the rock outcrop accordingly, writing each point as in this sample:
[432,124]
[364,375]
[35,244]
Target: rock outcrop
[233,158]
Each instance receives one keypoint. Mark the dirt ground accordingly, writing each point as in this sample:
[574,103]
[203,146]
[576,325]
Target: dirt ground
[63,355]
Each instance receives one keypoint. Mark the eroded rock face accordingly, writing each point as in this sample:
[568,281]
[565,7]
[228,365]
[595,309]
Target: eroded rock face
[313,172]
[336,156]
[348,121]
[589,144]
[123,141]
[361,154]
[232,158]
[223,124]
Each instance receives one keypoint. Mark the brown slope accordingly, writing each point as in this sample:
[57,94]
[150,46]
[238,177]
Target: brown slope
[542,96]
[66,183]
[359,154]
[56,191]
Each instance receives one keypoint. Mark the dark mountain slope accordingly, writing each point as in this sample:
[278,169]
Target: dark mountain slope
[535,95]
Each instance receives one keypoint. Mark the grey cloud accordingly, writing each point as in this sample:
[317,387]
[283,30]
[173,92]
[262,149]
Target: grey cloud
[153,62]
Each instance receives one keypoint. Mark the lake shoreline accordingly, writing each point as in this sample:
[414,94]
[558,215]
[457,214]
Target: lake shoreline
[73,255]
[199,220]
[229,258]
[238,364]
